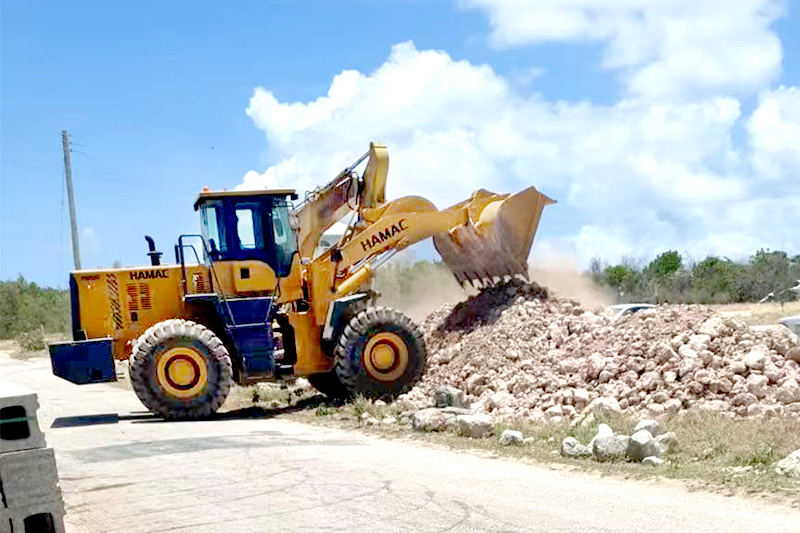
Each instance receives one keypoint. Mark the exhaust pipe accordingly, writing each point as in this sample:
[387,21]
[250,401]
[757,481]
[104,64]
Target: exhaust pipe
[155,257]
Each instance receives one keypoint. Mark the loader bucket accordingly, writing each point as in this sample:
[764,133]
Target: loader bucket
[496,241]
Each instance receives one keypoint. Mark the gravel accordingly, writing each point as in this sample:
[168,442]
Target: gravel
[518,353]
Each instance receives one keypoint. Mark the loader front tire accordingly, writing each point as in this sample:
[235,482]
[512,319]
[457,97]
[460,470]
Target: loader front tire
[180,369]
[380,354]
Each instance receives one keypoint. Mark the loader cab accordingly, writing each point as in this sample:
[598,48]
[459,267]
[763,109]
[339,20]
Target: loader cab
[249,225]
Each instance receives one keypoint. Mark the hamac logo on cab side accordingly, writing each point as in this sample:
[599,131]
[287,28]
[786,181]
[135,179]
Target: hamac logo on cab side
[384,234]
[149,274]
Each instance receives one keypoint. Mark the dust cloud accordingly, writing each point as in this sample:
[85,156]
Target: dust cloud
[562,276]
[433,294]
[420,288]
[418,292]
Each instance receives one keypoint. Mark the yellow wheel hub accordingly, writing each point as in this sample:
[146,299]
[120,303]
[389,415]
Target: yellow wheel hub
[182,372]
[386,356]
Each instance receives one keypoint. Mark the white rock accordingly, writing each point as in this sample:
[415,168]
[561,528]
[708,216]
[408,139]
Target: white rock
[773,372]
[652,461]
[699,343]
[580,397]
[673,406]
[655,428]
[790,465]
[605,407]
[703,376]
[686,352]
[642,444]
[789,392]
[738,367]
[571,447]
[475,426]
[713,327]
[757,358]
[667,441]
[649,381]
[690,364]
[610,448]
[603,431]
[447,396]
[433,419]
[757,385]
[475,383]
[664,353]
[594,365]
[554,411]
[511,437]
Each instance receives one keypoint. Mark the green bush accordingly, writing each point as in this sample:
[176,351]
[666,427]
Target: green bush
[25,307]
[670,279]
[32,341]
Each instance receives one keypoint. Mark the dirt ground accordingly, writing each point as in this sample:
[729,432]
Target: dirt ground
[759,314]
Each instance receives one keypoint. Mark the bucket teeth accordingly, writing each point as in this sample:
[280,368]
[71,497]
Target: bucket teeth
[495,244]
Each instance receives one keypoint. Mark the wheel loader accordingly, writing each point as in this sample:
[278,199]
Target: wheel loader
[253,297]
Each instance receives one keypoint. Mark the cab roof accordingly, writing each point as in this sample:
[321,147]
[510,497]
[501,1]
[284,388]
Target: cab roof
[206,196]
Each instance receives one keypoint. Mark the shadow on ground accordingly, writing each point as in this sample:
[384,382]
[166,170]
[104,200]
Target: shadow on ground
[145,417]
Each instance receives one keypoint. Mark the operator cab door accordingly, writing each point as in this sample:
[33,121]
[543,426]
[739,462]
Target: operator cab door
[251,242]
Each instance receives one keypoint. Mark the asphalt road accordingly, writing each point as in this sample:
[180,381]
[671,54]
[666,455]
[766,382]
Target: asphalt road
[124,471]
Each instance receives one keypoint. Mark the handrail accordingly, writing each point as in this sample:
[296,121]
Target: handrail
[207,252]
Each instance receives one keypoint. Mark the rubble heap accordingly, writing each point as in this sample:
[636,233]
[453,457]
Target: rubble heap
[518,353]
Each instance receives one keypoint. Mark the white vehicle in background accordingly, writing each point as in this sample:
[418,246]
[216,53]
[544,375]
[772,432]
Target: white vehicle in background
[621,310]
[793,323]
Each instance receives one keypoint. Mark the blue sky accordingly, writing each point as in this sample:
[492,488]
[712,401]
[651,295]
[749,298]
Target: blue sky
[155,97]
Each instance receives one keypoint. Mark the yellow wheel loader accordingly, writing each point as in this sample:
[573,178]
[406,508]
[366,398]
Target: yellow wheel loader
[255,298]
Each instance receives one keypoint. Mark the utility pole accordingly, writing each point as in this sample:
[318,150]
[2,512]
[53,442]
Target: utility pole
[76,250]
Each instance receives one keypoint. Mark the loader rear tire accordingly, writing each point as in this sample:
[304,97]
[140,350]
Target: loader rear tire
[328,384]
[380,354]
[180,369]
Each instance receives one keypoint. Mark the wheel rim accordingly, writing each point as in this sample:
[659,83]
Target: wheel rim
[386,356]
[182,372]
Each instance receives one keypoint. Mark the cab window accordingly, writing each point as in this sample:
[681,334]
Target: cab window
[249,227]
[284,239]
[213,229]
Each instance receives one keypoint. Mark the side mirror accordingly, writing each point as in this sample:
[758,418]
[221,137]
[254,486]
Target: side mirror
[214,253]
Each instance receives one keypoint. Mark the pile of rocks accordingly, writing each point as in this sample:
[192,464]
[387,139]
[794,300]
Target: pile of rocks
[518,353]
[648,443]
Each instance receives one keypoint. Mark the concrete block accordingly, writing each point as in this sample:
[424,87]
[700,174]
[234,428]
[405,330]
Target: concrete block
[42,517]
[19,429]
[28,477]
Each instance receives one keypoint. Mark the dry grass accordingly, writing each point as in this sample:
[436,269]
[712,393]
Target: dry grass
[754,314]
[16,351]
[267,395]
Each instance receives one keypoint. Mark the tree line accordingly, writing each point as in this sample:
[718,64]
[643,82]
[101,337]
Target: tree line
[669,278]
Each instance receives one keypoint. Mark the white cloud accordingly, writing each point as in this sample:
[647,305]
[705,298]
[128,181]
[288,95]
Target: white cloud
[662,47]
[775,135]
[644,175]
